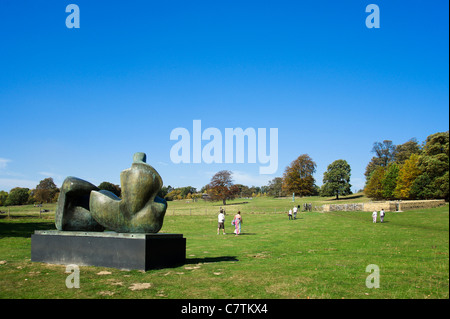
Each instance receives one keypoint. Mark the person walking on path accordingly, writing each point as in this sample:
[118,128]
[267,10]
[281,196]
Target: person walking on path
[374,216]
[382,215]
[238,223]
[221,222]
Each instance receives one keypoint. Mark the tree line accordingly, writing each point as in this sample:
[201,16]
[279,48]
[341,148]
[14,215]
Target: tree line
[410,170]
[405,171]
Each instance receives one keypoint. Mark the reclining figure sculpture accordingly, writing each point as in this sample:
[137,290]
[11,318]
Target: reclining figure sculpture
[83,207]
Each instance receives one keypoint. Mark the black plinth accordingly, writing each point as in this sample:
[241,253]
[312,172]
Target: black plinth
[108,249]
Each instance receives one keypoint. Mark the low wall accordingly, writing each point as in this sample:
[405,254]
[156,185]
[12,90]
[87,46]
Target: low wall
[389,206]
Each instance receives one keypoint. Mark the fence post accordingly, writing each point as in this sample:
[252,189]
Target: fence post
[189,211]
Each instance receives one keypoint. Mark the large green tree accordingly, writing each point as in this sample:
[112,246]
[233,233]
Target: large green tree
[336,179]
[434,166]
[389,181]
[3,197]
[17,196]
[404,151]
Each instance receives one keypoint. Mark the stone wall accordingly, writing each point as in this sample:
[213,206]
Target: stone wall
[343,207]
[414,204]
[389,206]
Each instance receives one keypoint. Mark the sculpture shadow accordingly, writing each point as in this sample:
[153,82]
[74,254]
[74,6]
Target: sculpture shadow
[210,259]
[24,230]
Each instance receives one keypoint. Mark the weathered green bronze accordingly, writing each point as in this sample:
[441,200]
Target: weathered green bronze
[138,211]
[72,211]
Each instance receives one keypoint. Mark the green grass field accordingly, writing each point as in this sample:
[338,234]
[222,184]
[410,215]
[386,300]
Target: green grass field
[319,255]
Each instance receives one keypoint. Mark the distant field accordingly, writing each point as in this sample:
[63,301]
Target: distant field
[319,255]
[257,204]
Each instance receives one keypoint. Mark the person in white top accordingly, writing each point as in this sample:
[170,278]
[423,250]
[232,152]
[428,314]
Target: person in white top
[374,216]
[295,212]
[221,220]
[382,215]
[290,214]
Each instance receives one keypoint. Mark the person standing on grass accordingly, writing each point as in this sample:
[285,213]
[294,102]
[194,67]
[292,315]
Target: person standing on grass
[374,216]
[221,222]
[295,212]
[290,214]
[238,223]
[382,215]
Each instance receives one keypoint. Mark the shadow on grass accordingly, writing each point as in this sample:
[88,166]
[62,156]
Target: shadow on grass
[345,198]
[230,204]
[23,229]
[210,259]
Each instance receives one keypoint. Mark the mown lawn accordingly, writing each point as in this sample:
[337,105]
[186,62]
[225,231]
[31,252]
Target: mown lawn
[319,255]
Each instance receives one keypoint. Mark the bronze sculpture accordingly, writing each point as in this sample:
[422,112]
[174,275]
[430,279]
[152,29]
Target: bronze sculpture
[82,206]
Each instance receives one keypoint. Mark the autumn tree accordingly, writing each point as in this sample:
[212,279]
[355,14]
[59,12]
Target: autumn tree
[406,177]
[374,187]
[173,194]
[221,187]
[185,191]
[336,180]
[45,191]
[298,177]
[164,191]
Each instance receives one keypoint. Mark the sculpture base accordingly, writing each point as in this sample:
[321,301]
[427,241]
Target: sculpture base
[108,249]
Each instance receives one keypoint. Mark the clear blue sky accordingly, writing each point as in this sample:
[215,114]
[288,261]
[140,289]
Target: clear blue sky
[80,102]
